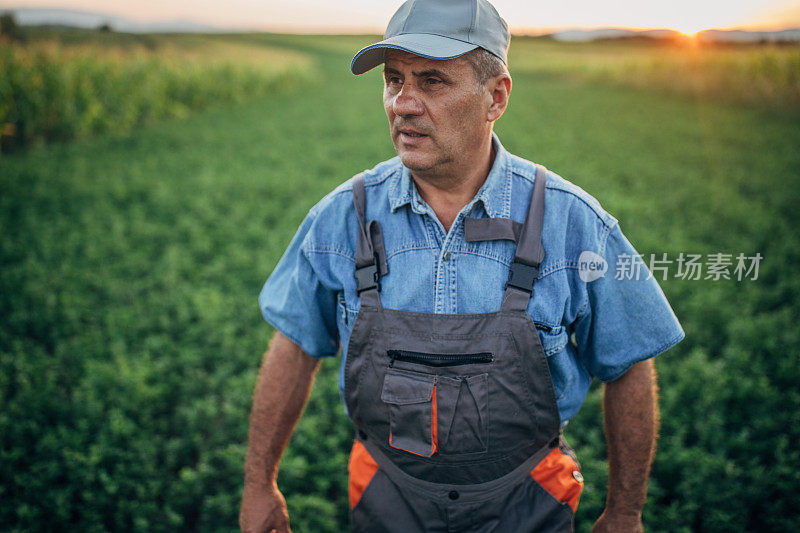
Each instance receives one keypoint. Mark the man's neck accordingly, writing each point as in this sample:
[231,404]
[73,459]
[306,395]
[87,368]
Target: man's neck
[447,195]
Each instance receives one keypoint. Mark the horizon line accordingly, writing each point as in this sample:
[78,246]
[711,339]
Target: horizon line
[319,29]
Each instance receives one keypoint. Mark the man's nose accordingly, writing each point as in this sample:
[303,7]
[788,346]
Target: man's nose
[407,102]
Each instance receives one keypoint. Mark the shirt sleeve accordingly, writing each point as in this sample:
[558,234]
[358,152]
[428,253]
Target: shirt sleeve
[297,304]
[627,318]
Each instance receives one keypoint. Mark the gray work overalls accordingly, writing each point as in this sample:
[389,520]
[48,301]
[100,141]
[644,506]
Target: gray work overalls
[455,413]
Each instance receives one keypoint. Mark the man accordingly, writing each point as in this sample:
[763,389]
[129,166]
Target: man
[457,374]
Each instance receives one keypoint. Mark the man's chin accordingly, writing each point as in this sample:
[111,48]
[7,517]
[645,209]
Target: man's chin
[414,160]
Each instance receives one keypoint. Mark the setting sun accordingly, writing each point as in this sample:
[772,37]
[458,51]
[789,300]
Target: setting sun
[689,30]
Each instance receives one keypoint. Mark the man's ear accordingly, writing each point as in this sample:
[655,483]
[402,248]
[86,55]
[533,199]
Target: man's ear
[499,88]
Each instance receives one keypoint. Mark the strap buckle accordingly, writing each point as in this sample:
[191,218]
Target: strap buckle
[367,278]
[522,276]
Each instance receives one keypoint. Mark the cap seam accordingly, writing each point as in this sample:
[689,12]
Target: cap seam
[474,6]
[438,35]
[408,17]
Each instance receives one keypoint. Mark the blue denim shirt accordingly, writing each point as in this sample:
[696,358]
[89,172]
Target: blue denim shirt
[589,328]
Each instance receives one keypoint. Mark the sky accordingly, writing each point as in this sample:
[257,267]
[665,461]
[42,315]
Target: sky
[523,16]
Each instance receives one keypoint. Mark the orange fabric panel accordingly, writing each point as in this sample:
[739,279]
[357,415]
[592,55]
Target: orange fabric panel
[361,468]
[555,474]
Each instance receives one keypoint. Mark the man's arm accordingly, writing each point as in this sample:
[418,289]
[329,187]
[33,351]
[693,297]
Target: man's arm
[630,408]
[282,389]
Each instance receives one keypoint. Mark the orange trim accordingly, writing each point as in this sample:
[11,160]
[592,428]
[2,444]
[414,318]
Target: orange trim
[361,468]
[555,474]
[434,436]
[399,448]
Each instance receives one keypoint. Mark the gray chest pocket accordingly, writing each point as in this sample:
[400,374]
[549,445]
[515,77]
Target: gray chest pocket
[409,397]
[430,413]
[462,412]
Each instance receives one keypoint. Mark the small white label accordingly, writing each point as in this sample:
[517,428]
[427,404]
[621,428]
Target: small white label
[591,266]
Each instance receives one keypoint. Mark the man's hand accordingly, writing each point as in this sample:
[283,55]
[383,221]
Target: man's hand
[611,522]
[282,389]
[630,409]
[263,510]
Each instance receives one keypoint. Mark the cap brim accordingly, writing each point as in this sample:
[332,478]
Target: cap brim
[421,44]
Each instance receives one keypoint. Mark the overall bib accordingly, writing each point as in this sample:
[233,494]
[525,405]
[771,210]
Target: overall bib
[457,423]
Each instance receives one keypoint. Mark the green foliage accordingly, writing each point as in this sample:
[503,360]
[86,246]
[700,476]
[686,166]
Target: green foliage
[131,337]
[757,75]
[56,91]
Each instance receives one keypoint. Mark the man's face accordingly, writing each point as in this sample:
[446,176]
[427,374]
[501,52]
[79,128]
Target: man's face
[437,110]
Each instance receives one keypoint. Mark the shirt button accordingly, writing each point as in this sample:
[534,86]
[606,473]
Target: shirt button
[453,495]
[578,476]
[446,256]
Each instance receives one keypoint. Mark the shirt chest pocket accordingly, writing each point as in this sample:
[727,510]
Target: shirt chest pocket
[554,341]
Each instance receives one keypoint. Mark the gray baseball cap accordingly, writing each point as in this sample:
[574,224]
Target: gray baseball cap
[438,29]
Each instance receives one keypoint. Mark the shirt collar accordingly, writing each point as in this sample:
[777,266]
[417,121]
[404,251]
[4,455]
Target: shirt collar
[494,194]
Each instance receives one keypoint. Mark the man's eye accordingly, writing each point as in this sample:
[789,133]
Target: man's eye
[393,80]
[433,81]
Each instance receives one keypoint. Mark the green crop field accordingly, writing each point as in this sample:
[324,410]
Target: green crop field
[59,86]
[132,259]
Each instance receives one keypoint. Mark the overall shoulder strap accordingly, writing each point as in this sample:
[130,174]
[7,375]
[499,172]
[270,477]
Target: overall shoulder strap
[530,252]
[370,252]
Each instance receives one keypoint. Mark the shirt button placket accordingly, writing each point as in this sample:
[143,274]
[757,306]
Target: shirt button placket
[441,284]
[452,279]
[446,281]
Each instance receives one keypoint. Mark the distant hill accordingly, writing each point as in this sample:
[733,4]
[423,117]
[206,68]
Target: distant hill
[85,19]
[591,35]
[740,36]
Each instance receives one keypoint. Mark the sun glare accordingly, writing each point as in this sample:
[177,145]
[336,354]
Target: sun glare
[689,30]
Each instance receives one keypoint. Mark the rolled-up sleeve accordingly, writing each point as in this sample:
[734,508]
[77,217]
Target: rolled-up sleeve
[295,301]
[627,317]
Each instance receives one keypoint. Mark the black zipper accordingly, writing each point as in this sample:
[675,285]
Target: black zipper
[543,327]
[439,359]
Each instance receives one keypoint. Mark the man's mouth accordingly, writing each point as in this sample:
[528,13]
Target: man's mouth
[411,136]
